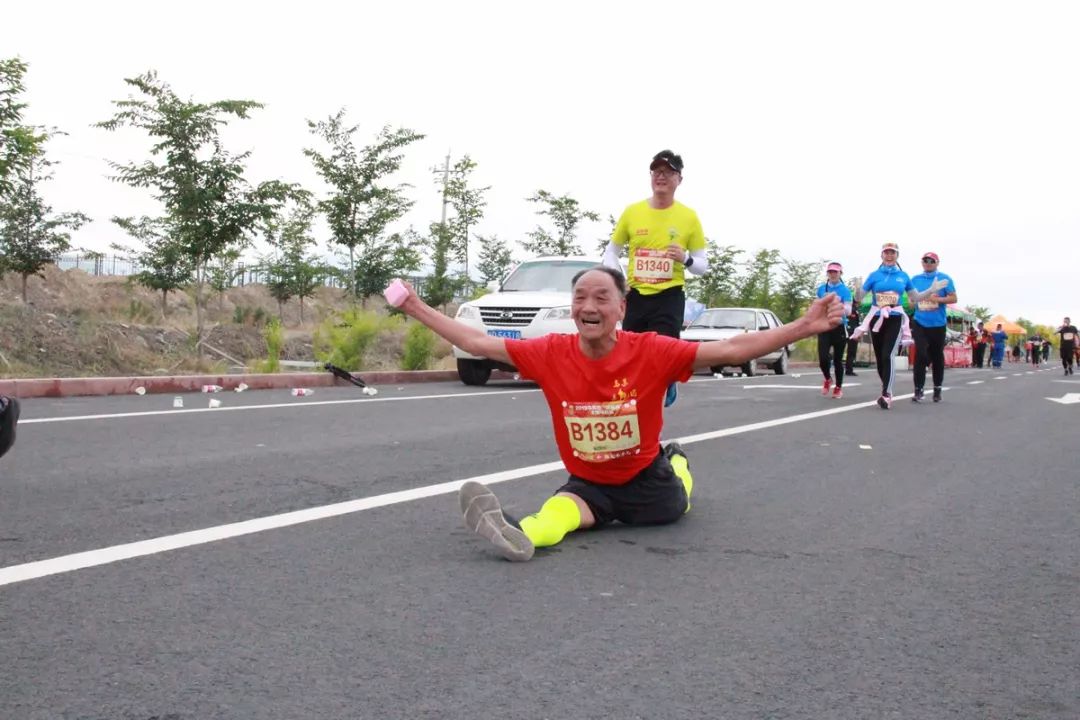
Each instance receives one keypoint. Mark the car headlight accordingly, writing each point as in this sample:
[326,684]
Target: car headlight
[559,313]
[468,312]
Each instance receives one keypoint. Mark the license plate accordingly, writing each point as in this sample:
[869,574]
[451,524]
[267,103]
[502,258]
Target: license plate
[514,334]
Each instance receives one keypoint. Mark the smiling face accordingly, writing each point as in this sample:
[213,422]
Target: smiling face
[833,275]
[664,179]
[888,256]
[597,307]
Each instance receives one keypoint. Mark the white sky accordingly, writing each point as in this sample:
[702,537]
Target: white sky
[819,129]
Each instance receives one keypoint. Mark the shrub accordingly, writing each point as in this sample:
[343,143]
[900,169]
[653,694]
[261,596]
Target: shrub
[275,339]
[419,347]
[344,338]
[805,349]
[139,312]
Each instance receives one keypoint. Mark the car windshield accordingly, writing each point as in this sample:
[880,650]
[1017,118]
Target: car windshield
[725,318]
[545,276]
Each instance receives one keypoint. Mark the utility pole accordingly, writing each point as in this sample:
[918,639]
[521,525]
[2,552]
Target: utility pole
[445,170]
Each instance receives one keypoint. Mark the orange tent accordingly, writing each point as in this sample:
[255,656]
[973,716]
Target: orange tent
[1008,326]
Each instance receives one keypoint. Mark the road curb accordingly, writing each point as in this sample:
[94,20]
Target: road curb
[161,384]
[73,387]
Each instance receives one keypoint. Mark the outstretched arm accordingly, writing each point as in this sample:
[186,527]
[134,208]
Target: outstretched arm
[823,315]
[469,339]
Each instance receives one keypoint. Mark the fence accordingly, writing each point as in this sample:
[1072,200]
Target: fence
[100,264]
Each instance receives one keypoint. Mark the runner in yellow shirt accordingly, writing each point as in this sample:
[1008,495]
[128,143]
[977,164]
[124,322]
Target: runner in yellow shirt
[663,239]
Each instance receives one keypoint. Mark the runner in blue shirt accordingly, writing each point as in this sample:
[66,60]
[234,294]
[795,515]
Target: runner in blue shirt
[887,321]
[834,340]
[928,326]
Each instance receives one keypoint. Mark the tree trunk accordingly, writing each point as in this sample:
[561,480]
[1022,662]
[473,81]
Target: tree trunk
[24,278]
[200,277]
[301,311]
[164,303]
[352,274]
[280,312]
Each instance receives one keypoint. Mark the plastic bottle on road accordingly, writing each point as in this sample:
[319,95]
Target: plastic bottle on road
[302,392]
[212,388]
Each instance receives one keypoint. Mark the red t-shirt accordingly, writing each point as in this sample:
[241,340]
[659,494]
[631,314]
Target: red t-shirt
[606,413]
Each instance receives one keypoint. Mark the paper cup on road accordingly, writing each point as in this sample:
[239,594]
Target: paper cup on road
[370,391]
[214,403]
[178,402]
[241,387]
[140,391]
[302,392]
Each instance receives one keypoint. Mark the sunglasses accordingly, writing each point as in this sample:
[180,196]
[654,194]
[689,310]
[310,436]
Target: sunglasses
[930,261]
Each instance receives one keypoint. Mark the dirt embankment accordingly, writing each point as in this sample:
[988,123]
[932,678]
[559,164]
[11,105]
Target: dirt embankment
[74,325]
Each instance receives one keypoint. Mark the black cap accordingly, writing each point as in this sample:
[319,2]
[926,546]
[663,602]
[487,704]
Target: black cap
[666,157]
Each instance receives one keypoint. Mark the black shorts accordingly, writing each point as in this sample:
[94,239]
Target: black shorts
[655,496]
[661,313]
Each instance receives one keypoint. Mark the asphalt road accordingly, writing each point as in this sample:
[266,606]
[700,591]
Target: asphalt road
[918,563]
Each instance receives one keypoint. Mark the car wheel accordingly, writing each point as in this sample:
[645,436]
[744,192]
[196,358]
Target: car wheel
[473,372]
[780,366]
[748,369]
[717,369]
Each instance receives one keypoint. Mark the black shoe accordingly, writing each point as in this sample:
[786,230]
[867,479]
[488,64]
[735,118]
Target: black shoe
[937,394]
[850,373]
[9,418]
[918,396]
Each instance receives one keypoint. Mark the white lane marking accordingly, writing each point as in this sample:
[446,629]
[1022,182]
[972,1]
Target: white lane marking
[1001,377]
[865,447]
[1017,374]
[976,382]
[116,553]
[794,387]
[295,403]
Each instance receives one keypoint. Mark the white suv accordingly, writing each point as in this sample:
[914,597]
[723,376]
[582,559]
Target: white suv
[533,301]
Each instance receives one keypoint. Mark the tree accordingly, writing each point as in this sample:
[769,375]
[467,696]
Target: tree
[19,144]
[210,208]
[31,234]
[980,312]
[468,204]
[566,214]
[495,259]
[757,287]
[400,254]
[719,286]
[293,270]
[164,264]
[440,288]
[602,241]
[222,272]
[797,289]
[360,206]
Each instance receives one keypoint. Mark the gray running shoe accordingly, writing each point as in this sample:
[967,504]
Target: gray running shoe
[484,516]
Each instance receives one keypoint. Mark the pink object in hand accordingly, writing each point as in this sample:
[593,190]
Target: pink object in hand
[395,293]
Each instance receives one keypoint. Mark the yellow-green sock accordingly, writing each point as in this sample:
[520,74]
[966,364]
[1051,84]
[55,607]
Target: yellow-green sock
[682,471]
[557,517]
